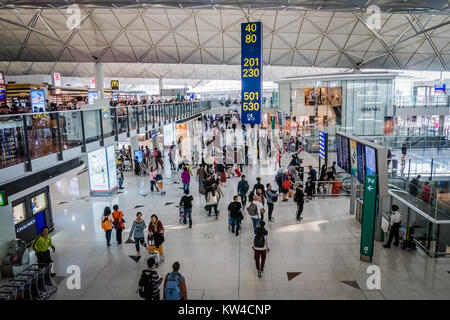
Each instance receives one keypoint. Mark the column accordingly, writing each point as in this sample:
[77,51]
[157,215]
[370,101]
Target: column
[99,80]
[134,143]
[7,230]
[441,125]
[167,171]
[160,86]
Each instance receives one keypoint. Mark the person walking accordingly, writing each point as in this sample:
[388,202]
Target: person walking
[200,175]
[394,227]
[331,177]
[212,201]
[137,229]
[299,199]
[404,151]
[107,220]
[242,189]
[260,247]
[185,178]
[153,173]
[313,176]
[41,246]
[272,197]
[171,156]
[235,214]
[256,210]
[175,284]
[150,281]
[156,234]
[118,223]
[186,204]
[158,158]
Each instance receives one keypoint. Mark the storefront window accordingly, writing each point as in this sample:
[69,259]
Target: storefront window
[19,213]
[39,203]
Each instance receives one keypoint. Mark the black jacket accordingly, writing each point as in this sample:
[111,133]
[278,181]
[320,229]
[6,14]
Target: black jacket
[235,210]
[299,197]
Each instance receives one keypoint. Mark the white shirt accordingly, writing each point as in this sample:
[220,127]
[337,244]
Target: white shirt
[259,206]
[396,217]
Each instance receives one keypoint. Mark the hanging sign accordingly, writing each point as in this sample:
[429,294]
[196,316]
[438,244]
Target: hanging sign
[251,72]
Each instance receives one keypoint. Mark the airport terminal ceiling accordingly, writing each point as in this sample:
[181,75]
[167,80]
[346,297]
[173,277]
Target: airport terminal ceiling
[201,39]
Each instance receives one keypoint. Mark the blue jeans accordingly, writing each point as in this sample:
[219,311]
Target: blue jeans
[152,185]
[136,242]
[185,186]
[215,209]
[255,223]
[188,213]
[235,222]
[108,236]
[200,183]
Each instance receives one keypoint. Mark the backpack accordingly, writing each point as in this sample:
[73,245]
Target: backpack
[259,241]
[145,287]
[105,224]
[116,223]
[287,184]
[172,290]
[252,209]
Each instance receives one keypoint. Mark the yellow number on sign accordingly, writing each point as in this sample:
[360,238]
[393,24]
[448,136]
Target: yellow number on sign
[251,95]
[250,38]
[250,73]
[251,62]
[251,27]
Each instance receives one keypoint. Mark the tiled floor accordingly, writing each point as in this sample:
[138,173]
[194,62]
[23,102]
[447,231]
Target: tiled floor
[324,247]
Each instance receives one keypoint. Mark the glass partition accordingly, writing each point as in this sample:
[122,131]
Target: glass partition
[71,130]
[91,119]
[42,134]
[12,141]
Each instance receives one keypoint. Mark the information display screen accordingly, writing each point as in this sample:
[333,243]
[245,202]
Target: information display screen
[138,155]
[251,72]
[361,163]
[338,143]
[98,175]
[353,158]
[371,162]
[345,155]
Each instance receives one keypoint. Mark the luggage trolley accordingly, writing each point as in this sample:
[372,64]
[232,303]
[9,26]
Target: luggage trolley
[39,292]
[27,282]
[45,280]
[8,293]
[19,286]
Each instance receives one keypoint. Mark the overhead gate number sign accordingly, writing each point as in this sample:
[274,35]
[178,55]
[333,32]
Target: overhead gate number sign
[251,72]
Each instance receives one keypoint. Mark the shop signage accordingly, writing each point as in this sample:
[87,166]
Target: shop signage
[56,79]
[91,82]
[440,88]
[368,218]
[2,78]
[251,72]
[3,199]
[364,109]
[114,84]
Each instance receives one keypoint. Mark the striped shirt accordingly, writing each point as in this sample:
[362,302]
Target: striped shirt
[156,281]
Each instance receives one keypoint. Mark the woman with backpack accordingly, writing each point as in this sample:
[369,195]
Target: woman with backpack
[138,230]
[175,285]
[149,282]
[156,234]
[118,223]
[260,247]
[107,220]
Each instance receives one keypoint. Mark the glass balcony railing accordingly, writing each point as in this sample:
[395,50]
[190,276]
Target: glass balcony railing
[24,137]
[422,101]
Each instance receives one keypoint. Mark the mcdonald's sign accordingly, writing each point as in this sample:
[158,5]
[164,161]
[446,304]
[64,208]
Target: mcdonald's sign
[114,84]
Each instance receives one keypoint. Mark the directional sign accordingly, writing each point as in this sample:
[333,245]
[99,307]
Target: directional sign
[368,218]
[251,72]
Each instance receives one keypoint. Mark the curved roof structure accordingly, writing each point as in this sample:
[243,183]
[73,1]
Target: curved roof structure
[153,35]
